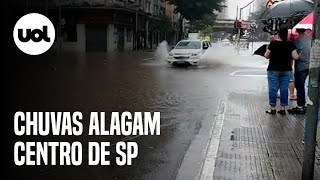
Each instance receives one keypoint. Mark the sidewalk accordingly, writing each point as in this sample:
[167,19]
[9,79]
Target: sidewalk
[255,145]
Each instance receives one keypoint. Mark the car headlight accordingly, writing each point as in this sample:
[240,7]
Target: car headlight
[170,54]
[195,54]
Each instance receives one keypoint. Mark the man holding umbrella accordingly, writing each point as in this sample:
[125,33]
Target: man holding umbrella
[303,45]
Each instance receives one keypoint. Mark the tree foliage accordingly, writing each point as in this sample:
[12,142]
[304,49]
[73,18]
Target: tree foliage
[196,9]
[204,24]
[161,23]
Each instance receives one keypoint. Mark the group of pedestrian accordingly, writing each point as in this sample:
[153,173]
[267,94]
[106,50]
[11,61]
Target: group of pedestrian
[283,55]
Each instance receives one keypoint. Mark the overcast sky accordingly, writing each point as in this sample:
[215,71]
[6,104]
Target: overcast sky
[232,8]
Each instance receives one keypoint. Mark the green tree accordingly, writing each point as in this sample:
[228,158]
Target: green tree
[196,9]
[162,23]
[204,24]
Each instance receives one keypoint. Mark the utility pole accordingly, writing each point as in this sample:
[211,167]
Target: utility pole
[240,18]
[313,94]
[238,34]
[237,13]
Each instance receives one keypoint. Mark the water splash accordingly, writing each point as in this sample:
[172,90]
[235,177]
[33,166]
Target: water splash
[162,51]
[220,54]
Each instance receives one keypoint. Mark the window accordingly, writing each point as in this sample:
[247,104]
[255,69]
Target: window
[129,35]
[156,9]
[189,45]
[69,31]
[162,11]
[147,7]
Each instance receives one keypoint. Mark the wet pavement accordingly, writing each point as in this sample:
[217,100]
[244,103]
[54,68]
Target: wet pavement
[187,97]
[254,145]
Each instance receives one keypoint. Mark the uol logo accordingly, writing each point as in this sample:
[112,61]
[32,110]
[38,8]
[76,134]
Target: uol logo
[34,34]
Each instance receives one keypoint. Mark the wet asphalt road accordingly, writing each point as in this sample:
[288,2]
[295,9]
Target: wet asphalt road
[185,96]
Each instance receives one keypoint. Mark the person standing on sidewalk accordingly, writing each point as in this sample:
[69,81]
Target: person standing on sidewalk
[280,53]
[303,45]
[291,80]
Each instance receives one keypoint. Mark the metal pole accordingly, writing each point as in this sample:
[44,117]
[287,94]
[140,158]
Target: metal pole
[237,12]
[239,31]
[249,4]
[313,94]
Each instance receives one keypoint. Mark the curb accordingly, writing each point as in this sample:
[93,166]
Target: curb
[213,146]
[199,161]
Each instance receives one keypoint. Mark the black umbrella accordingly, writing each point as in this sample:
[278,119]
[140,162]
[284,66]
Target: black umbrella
[261,50]
[288,9]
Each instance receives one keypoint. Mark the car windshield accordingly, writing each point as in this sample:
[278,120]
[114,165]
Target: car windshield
[189,45]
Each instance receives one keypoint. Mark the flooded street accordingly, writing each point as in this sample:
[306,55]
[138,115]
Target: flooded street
[187,97]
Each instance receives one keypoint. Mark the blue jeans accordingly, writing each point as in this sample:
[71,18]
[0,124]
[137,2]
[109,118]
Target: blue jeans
[276,80]
[291,77]
[299,81]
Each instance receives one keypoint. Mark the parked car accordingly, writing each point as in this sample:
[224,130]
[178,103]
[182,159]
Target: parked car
[188,52]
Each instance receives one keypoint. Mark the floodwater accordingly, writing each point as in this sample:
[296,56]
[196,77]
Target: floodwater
[185,96]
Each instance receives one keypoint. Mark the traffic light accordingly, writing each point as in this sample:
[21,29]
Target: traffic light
[239,23]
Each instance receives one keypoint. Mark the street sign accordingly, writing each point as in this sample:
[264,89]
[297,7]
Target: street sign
[253,25]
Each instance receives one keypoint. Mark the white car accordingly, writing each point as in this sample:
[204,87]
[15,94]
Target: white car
[188,51]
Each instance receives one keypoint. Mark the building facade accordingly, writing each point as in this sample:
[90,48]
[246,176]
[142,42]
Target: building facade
[101,25]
